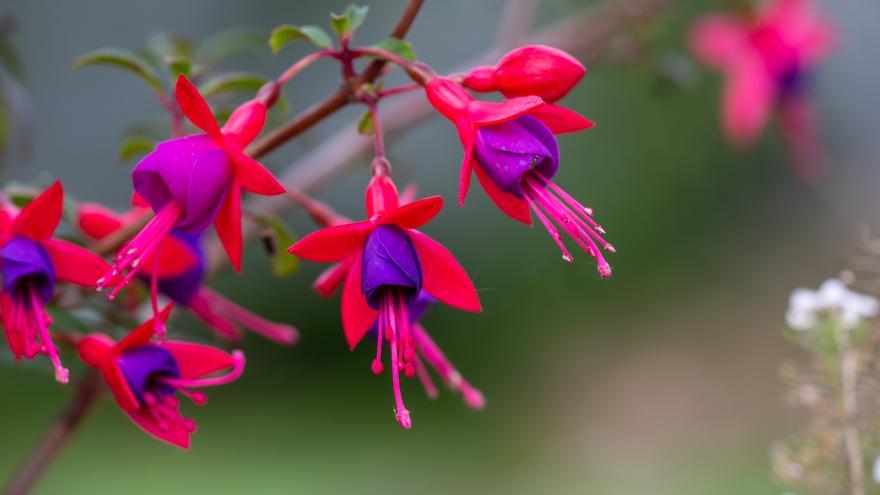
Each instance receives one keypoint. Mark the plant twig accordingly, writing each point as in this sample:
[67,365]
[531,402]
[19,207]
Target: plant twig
[335,101]
[849,372]
[56,437]
[587,33]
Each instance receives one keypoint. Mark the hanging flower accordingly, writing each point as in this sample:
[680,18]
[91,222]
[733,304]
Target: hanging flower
[512,148]
[389,263]
[766,59]
[532,70]
[146,376]
[32,261]
[196,180]
[180,271]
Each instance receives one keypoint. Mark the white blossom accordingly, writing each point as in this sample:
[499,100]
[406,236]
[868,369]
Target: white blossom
[833,296]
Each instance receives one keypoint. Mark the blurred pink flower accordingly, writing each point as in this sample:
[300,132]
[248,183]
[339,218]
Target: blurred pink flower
[766,58]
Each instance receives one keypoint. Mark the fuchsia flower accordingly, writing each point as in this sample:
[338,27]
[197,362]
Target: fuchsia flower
[32,261]
[328,283]
[387,264]
[195,180]
[181,272]
[766,59]
[144,377]
[513,151]
[532,70]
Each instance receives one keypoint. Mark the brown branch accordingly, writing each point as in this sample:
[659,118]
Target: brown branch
[335,101]
[54,439]
[587,33]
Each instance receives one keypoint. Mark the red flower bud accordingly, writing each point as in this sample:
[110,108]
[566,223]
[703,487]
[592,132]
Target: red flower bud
[533,70]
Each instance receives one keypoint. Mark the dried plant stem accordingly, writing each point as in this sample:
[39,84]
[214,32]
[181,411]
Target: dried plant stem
[56,437]
[849,375]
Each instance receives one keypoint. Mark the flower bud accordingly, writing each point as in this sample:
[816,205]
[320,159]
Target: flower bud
[533,70]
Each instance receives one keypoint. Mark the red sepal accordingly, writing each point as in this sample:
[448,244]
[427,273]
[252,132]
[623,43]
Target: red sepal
[330,279]
[412,215]
[332,243]
[256,178]
[97,221]
[75,264]
[245,123]
[490,113]
[561,120]
[228,225]
[196,361]
[141,335]
[357,315]
[196,109]
[512,206]
[443,277]
[39,219]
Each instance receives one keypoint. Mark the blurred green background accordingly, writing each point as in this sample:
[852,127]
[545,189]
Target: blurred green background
[662,380]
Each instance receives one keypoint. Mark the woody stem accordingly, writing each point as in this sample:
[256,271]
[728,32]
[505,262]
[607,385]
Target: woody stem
[56,437]
[340,98]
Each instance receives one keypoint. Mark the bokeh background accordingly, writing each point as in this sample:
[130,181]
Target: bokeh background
[662,380]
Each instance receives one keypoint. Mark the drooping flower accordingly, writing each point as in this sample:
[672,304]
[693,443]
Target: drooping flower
[387,264]
[180,273]
[196,180]
[833,297]
[532,70]
[766,59]
[513,151]
[32,261]
[145,377]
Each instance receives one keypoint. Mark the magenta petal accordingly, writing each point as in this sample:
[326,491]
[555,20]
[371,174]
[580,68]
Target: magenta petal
[193,171]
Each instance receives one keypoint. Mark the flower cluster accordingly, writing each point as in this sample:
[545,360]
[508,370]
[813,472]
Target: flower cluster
[850,308]
[389,271]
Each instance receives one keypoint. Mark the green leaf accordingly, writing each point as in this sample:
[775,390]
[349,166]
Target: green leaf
[231,42]
[161,46]
[276,239]
[286,33]
[232,82]
[350,20]
[365,124]
[121,58]
[133,146]
[397,46]
[179,64]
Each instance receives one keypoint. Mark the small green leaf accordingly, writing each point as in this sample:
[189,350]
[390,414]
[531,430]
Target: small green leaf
[365,124]
[121,58]
[231,42]
[350,20]
[397,46]
[232,82]
[133,146]
[179,64]
[286,33]
[161,46]
[276,240]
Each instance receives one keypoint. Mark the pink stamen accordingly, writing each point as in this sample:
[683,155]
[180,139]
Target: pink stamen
[233,314]
[158,324]
[574,223]
[62,375]
[376,365]
[453,379]
[428,384]
[128,261]
[388,305]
